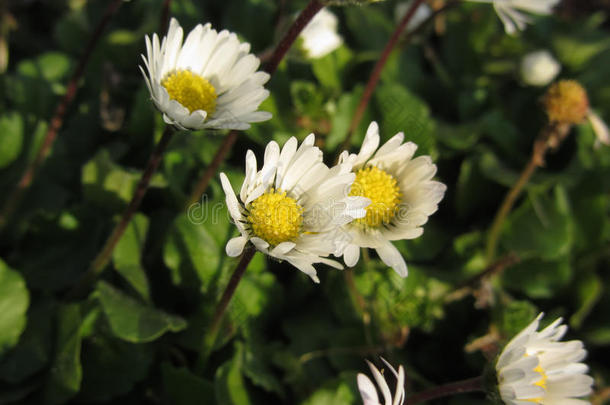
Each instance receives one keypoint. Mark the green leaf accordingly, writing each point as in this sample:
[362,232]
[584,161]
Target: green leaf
[328,69]
[192,253]
[51,66]
[65,375]
[11,138]
[538,278]
[339,391]
[541,227]
[514,316]
[403,111]
[33,351]
[342,117]
[132,321]
[128,253]
[590,289]
[111,367]
[14,302]
[255,367]
[229,382]
[181,387]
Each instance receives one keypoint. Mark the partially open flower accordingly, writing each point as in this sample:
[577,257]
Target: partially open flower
[210,81]
[369,392]
[320,37]
[535,368]
[539,68]
[293,208]
[513,19]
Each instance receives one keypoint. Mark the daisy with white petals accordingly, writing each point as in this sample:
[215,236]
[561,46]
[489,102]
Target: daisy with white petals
[210,81]
[369,392]
[535,367]
[293,208]
[320,37]
[402,193]
[511,11]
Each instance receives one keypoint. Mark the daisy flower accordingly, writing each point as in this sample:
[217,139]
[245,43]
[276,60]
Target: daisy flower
[402,193]
[535,367]
[510,11]
[209,81]
[293,208]
[320,37]
[369,392]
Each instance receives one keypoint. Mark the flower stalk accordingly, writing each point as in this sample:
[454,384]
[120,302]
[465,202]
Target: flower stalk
[13,200]
[101,260]
[280,51]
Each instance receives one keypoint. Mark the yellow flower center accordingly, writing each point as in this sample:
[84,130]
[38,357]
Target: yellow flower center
[275,217]
[191,90]
[541,383]
[381,188]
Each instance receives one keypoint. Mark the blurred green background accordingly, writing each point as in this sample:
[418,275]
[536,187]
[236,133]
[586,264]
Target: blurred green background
[454,90]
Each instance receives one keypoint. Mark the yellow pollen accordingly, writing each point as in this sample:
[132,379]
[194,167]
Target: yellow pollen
[191,90]
[275,217]
[541,383]
[381,188]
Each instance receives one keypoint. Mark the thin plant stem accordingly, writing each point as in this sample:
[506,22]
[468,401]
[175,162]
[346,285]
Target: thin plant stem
[165,15]
[101,260]
[550,137]
[13,200]
[376,73]
[359,302]
[471,385]
[312,8]
[223,304]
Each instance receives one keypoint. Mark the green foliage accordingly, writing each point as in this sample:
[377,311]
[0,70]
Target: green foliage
[14,302]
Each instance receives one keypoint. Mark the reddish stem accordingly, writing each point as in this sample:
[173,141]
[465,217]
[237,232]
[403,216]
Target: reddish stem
[165,15]
[460,387]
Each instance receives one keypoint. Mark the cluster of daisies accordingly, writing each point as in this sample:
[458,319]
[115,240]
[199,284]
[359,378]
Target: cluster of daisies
[298,209]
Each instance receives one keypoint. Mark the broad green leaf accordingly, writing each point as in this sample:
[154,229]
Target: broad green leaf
[66,373]
[256,368]
[340,391]
[14,302]
[514,316]
[403,111]
[229,382]
[192,254]
[33,351]
[128,253]
[590,289]
[538,278]
[342,118]
[181,387]
[111,367]
[51,66]
[133,321]
[11,138]
[541,227]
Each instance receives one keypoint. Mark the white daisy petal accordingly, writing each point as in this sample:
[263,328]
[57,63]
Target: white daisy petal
[512,18]
[320,36]
[368,392]
[224,89]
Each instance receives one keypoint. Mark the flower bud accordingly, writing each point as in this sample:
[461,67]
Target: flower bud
[539,68]
[566,102]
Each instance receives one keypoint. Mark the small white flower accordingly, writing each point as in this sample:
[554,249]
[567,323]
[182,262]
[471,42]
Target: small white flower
[513,19]
[210,81]
[320,36]
[402,193]
[293,208]
[535,367]
[369,392]
[421,14]
[539,68]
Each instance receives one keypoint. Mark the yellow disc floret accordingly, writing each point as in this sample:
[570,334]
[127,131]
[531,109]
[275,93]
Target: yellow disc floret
[541,383]
[275,217]
[381,188]
[566,102]
[191,90]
